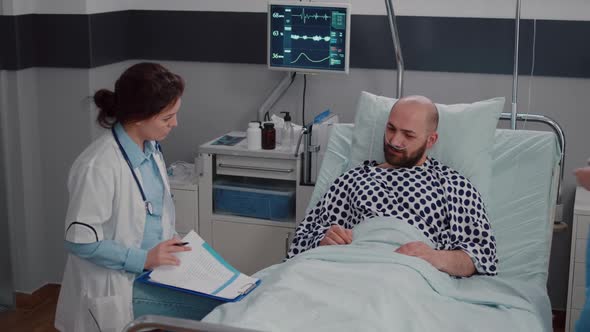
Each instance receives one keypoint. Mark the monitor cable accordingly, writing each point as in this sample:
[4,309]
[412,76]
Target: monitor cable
[303,103]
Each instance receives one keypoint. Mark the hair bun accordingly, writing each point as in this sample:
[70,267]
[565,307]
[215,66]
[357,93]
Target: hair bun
[106,101]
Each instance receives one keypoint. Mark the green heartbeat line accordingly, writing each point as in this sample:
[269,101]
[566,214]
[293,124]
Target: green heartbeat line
[314,38]
[305,55]
[304,17]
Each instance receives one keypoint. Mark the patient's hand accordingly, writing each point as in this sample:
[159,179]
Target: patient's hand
[453,262]
[336,235]
[420,250]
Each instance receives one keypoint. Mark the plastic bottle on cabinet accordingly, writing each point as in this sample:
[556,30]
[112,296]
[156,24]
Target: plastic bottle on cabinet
[288,133]
[254,136]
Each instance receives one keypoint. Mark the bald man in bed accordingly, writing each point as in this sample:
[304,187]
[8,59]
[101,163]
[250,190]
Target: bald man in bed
[417,190]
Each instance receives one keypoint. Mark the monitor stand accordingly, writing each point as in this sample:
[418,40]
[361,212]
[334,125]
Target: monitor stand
[274,96]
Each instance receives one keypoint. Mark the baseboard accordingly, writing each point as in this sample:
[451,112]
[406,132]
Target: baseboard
[30,301]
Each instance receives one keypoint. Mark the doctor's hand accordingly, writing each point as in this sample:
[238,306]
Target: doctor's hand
[583,176]
[162,254]
[420,250]
[336,235]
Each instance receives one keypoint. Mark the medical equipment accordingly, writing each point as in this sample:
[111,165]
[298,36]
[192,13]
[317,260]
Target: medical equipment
[314,146]
[254,136]
[308,37]
[148,205]
[322,127]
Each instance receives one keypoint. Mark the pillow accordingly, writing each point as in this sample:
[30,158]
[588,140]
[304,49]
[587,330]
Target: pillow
[466,136]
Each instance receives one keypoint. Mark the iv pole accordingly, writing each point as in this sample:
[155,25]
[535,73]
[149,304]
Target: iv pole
[396,47]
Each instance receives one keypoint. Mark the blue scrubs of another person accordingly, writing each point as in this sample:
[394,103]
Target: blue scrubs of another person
[583,324]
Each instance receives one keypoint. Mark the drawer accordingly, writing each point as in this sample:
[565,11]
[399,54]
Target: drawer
[268,168]
[582,227]
[580,274]
[250,247]
[574,316]
[578,297]
[580,254]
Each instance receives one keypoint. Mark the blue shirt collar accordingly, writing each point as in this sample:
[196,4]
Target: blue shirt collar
[136,156]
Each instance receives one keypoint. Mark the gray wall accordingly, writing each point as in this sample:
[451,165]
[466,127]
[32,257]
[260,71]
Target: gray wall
[48,125]
[6,286]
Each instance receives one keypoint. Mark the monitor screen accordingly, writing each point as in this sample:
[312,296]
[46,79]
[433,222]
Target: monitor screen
[308,36]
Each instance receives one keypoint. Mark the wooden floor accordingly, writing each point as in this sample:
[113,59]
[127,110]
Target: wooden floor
[36,312]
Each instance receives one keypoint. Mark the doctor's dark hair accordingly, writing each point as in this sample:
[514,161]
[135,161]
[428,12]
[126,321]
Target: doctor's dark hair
[142,91]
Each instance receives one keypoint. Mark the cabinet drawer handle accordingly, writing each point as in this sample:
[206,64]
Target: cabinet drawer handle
[256,168]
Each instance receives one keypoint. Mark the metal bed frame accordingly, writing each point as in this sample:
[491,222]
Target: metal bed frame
[150,322]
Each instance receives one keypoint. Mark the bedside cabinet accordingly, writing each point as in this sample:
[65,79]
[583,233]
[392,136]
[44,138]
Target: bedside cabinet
[577,274]
[248,237]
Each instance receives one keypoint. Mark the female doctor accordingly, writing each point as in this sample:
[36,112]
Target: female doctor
[120,218]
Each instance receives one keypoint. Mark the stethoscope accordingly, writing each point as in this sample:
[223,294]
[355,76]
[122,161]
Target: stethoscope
[148,205]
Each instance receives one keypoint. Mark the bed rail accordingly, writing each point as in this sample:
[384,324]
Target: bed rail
[149,322]
[558,131]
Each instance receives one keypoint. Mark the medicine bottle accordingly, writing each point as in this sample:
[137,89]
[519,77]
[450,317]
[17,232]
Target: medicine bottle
[268,136]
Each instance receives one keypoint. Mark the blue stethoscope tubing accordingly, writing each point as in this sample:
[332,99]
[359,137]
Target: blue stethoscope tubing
[148,205]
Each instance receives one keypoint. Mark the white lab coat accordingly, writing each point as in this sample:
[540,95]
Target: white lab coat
[105,203]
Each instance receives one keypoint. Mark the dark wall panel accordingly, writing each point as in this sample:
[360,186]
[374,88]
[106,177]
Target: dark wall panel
[563,49]
[6,44]
[62,41]
[199,36]
[110,38]
[471,45]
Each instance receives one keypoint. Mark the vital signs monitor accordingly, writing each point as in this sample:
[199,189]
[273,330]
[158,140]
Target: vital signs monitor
[308,36]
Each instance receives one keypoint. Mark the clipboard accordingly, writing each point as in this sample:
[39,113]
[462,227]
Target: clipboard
[246,289]
[202,272]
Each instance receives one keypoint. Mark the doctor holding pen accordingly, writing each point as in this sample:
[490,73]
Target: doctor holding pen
[120,218]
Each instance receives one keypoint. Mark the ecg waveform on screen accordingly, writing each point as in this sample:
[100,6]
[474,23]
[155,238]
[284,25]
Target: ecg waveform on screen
[304,17]
[308,58]
[314,38]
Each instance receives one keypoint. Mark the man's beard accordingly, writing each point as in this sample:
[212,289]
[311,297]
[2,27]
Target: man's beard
[404,159]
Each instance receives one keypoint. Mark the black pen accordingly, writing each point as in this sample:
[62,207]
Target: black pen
[180,244]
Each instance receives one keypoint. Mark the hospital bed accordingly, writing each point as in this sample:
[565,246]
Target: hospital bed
[525,177]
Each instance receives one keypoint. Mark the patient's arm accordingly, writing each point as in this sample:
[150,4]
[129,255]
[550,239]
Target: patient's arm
[334,208]
[453,262]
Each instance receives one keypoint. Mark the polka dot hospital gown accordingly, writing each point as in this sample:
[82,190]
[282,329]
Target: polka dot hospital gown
[432,197]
